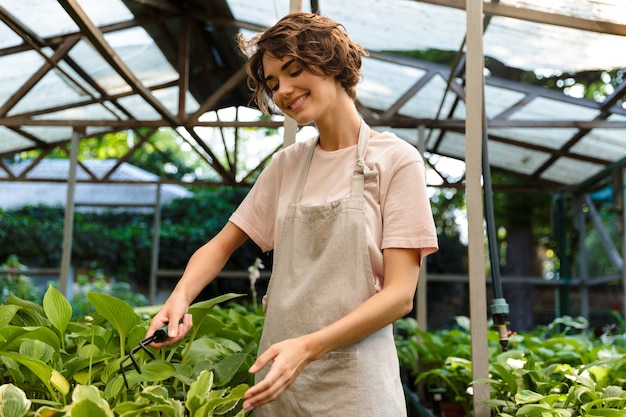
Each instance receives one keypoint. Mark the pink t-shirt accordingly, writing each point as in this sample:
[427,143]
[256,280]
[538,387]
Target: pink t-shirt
[397,207]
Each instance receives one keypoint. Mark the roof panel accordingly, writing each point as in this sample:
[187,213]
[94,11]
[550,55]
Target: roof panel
[169,98]
[12,141]
[8,38]
[603,10]
[46,18]
[541,108]
[52,90]
[515,158]
[609,144]
[501,155]
[529,45]
[383,82]
[553,138]
[570,171]
[141,55]
[94,111]
[105,12]
[93,64]
[16,70]
[138,107]
[425,103]
[499,99]
[49,134]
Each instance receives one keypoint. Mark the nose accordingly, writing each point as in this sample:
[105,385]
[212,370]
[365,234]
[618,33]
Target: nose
[285,87]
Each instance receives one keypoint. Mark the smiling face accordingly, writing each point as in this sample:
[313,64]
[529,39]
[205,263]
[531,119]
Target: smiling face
[299,93]
[317,41]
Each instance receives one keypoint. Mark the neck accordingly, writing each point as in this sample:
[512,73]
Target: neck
[339,130]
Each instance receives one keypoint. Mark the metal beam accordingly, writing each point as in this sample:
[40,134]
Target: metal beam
[538,16]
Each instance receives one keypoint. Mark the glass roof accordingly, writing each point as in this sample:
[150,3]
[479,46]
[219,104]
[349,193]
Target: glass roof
[116,64]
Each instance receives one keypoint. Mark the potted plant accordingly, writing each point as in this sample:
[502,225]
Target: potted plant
[454,378]
[438,363]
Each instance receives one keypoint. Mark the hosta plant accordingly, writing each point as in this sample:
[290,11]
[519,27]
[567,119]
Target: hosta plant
[53,365]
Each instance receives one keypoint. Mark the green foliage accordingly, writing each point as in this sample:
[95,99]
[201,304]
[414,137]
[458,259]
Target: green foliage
[562,369]
[17,283]
[119,243]
[53,365]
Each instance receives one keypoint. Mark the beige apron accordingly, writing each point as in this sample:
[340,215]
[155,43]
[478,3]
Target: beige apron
[321,272]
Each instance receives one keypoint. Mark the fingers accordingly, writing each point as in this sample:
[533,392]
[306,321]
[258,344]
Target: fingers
[263,360]
[177,328]
[275,383]
[286,361]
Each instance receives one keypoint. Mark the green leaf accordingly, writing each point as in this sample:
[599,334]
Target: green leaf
[155,394]
[120,314]
[229,401]
[6,314]
[226,369]
[38,368]
[87,408]
[198,392]
[88,392]
[534,409]
[13,401]
[507,376]
[45,335]
[157,371]
[8,334]
[30,314]
[114,387]
[526,396]
[605,412]
[37,349]
[59,382]
[57,309]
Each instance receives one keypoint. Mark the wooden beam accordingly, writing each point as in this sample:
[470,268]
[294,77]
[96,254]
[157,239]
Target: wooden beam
[395,122]
[96,38]
[538,16]
[474,130]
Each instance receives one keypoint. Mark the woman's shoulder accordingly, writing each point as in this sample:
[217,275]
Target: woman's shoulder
[291,156]
[295,150]
[387,145]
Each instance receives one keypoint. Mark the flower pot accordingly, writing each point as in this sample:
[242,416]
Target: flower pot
[452,410]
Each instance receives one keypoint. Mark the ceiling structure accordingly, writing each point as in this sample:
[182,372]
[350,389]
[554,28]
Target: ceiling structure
[87,67]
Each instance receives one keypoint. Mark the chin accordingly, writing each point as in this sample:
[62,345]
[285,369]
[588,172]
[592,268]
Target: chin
[301,119]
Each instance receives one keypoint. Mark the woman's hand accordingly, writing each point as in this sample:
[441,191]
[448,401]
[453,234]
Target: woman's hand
[286,360]
[179,322]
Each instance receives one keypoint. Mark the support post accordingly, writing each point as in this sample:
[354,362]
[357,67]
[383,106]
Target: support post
[290,126]
[65,280]
[475,213]
[154,265]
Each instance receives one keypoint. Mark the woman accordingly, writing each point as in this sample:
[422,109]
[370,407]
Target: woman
[349,221]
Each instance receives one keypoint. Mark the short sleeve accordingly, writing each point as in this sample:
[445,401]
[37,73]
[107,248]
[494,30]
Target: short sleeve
[407,215]
[256,213]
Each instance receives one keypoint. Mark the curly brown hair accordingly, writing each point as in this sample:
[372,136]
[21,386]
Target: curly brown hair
[320,43]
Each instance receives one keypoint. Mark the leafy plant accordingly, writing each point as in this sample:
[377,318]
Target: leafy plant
[66,366]
[17,283]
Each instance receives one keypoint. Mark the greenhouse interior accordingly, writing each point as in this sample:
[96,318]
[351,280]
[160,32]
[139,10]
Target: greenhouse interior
[518,108]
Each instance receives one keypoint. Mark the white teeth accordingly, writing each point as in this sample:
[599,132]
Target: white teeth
[298,101]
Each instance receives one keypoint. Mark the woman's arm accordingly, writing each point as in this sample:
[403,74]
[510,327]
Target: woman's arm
[289,357]
[202,268]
